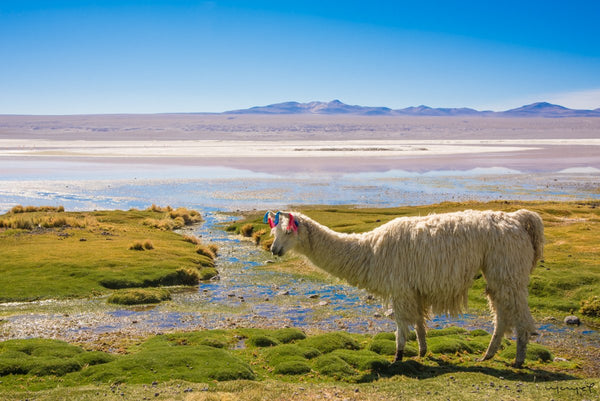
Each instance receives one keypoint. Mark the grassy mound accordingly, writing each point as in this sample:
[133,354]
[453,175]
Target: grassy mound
[139,296]
[50,253]
[159,360]
[213,356]
[535,352]
[331,341]
[42,357]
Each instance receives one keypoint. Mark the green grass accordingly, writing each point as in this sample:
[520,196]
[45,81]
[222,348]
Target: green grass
[567,276]
[213,361]
[139,296]
[88,254]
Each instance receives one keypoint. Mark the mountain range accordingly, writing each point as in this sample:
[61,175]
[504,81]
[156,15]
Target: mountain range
[540,109]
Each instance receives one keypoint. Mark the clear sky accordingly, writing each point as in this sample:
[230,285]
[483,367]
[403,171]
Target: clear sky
[126,56]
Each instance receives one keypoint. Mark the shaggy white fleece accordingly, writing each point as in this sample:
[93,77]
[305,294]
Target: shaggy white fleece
[427,264]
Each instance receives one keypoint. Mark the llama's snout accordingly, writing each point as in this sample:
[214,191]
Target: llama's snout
[278,251]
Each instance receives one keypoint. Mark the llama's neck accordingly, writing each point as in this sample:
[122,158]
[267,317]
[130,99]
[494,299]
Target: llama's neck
[346,256]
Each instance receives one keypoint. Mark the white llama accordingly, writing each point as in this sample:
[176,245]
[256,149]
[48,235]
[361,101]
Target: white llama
[427,264]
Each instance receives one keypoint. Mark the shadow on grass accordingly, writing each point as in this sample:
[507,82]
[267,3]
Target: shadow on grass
[417,370]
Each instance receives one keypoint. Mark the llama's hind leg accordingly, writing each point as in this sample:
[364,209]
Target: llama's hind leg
[525,329]
[496,340]
[522,340]
[401,337]
[421,337]
[500,325]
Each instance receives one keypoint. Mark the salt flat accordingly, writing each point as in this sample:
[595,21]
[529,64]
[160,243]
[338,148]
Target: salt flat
[307,143]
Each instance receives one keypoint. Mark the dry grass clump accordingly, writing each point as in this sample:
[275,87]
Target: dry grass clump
[31,209]
[266,244]
[30,222]
[173,218]
[205,251]
[163,224]
[214,248]
[192,239]
[210,250]
[257,236]
[136,246]
[141,245]
[155,208]
[189,216]
[246,230]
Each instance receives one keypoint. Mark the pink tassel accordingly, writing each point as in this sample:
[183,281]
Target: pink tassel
[292,225]
[271,224]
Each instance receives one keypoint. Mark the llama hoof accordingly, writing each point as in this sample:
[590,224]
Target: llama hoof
[398,357]
[422,353]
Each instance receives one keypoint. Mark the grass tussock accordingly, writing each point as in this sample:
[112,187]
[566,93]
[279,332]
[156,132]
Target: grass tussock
[136,246]
[591,307]
[172,219]
[205,251]
[257,236]
[31,209]
[192,239]
[214,248]
[159,209]
[139,296]
[246,230]
[141,245]
[29,221]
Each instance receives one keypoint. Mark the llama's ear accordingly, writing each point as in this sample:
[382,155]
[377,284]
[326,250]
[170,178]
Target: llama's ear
[268,219]
[292,223]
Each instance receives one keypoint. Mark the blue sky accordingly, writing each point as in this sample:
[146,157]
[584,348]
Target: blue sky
[74,57]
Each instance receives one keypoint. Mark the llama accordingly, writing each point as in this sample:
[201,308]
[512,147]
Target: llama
[423,265]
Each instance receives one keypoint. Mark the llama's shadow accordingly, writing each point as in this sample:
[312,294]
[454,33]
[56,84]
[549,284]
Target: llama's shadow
[414,369]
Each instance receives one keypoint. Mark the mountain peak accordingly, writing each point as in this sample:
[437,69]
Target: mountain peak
[336,106]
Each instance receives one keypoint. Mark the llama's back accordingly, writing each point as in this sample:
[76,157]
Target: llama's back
[436,257]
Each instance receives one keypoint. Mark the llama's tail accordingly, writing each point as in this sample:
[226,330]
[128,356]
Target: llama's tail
[532,223]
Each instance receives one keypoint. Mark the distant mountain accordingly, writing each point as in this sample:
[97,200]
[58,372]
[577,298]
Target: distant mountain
[333,107]
[545,109]
[540,109]
[429,111]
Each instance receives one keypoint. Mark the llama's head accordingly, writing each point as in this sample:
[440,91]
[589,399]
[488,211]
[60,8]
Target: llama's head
[284,227]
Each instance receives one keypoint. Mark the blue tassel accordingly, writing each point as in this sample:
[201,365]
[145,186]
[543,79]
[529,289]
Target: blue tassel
[266,218]
[276,221]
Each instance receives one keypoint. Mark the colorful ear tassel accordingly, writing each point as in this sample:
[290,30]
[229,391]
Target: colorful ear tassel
[268,219]
[292,224]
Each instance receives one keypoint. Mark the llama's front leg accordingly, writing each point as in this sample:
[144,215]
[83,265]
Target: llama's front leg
[401,336]
[421,337]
